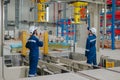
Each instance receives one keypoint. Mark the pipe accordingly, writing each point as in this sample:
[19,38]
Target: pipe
[74,38]
[6,15]
[2,36]
[64,11]
[104,28]
[113,25]
[58,17]
[54,15]
[58,11]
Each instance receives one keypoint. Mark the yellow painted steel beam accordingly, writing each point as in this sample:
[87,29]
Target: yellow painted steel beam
[41,12]
[45,47]
[24,40]
[78,4]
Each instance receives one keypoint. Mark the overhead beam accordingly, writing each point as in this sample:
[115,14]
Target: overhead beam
[89,1]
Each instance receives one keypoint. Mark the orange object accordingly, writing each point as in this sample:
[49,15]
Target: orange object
[83,13]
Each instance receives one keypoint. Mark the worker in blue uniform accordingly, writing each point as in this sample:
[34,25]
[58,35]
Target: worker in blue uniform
[90,52]
[33,45]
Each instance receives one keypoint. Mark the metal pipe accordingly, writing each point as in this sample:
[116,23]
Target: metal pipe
[58,11]
[113,25]
[98,29]
[104,27]
[89,20]
[54,15]
[35,12]
[6,15]
[2,36]
[64,11]
[74,38]
[17,13]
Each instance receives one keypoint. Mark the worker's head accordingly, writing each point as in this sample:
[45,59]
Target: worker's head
[33,30]
[93,31]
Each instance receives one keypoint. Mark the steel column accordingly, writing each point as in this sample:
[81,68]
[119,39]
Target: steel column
[88,20]
[64,11]
[17,13]
[2,36]
[74,38]
[104,27]
[6,15]
[1,28]
[113,25]
[57,28]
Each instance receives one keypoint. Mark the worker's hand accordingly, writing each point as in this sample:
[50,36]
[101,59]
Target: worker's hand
[41,37]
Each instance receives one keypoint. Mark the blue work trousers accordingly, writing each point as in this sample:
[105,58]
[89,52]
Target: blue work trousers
[33,62]
[91,59]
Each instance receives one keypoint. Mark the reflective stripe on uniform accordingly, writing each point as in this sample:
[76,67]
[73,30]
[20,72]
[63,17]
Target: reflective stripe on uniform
[31,75]
[87,50]
[92,40]
[32,41]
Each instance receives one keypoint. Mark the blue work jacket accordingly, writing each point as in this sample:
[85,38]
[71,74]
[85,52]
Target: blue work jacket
[90,46]
[33,45]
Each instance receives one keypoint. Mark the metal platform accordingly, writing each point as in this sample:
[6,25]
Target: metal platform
[65,76]
[101,74]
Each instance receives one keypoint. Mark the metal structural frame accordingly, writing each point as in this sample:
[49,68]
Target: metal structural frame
[17,13]
[94,14]
[63,23]
[113,25]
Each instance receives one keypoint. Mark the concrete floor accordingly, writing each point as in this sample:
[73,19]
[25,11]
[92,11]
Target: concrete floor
[65,76]
[102,74]
[116,69]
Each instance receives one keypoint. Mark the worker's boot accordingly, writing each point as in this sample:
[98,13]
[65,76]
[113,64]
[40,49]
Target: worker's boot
[96,67]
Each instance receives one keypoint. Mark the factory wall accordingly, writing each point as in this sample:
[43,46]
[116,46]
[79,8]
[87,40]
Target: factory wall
[25,14]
